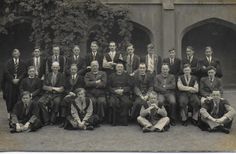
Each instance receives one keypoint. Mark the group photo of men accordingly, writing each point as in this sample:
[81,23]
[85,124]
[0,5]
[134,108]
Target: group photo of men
[84,92]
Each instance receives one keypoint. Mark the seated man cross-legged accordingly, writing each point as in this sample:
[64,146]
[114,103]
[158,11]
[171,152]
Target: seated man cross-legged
[153,115]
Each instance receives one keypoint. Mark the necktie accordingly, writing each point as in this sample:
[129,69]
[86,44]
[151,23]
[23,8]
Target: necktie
[171,61]
[16,67]
[53,79]
[56,58]
[94,55]
[214,110]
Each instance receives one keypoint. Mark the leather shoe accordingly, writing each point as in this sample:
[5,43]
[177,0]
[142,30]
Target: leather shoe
[172,123]
[185,123]
[194,122]
[146,129]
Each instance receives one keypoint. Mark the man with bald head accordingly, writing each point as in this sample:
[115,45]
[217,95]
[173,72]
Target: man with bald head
[53,87]
[95,83]
[14,72]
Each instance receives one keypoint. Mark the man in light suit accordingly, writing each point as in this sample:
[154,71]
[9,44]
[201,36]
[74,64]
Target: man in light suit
[95,83]
[152,60]
[174,63]
[216,114]
[165,85]
[210,83]
[132,60]
[209,60]
[153,116]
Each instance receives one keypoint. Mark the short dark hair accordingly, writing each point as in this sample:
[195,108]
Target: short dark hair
[190,47]
[172,49]
[79,90]
[211,68]
[24,93]
[186,65]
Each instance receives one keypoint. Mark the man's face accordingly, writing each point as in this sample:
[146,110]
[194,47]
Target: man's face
[216,95]
[187,71]
[112,46]
[189,52]
[172,53]
[142,68]
[76,51]
[130,50]
[55,68]
[81,95]
[56,51]
[211,73]
[16,54]
[94,47]
[165,69]
[36,52]
[26,99]
[31,72]
[208,52]
[119,68]
[73,69]
[150,49]
[94,66]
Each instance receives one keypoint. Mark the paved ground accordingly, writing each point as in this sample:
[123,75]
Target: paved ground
[108,138]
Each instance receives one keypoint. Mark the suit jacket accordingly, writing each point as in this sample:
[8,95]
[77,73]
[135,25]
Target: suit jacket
[11,72]
[62,62]
[81,64]
[119,81]
[164,85]
[135,63]
[206,87]
[194,65]
[71,85]
[42,67]
[21,115]
[143,85]
[107,57]
[157,63]
[91,85]
[224,109]
[175,68]
[98,57]
[59,81]
[214,62]
[33,85]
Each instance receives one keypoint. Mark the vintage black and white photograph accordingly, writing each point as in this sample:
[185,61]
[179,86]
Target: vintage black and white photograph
[117,75]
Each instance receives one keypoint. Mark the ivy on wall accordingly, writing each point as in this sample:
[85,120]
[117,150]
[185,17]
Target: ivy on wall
[66,22]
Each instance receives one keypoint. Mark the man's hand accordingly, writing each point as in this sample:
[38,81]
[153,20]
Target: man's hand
[26,126]
[18,127]
[204,67]
[72,94]
[98,81]
[221,120]
[119,91]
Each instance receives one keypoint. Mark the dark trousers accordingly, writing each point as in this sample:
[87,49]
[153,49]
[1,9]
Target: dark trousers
[33,126]
[136,107]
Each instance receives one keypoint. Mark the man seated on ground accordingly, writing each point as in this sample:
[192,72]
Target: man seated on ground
[216,114]
[207,84]
[81,112]
[153,115]
[25,115]
[188,98]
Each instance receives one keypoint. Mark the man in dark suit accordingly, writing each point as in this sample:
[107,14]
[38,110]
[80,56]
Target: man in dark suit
[191,59]
[77,59]
[132,60]
[14,72]
[152,60]
[209,60]
[143,85]
[25,115]
[188,87]
[173,62]
[38,62]
[210,83]
[111,59]
[120,103]
[54,87]
[31,84]
[165,85]
[94,55]
[56,57]
[95,83]
[216,114]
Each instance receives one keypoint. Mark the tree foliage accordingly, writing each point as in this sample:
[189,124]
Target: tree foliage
[67,22]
